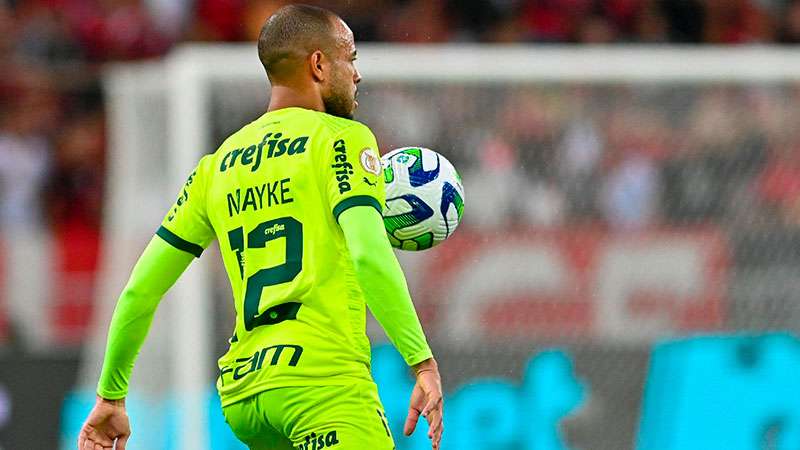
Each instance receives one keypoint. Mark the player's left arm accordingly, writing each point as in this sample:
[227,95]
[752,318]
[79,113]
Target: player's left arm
[387,296]
[383,283]
[183,235]
[355,189]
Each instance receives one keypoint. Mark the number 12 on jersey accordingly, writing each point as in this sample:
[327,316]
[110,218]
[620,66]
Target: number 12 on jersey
[284,227]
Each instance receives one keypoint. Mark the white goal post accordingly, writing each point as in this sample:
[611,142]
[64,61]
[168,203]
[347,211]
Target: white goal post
[183,79]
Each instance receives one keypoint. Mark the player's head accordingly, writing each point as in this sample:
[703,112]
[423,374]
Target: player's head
[311,48]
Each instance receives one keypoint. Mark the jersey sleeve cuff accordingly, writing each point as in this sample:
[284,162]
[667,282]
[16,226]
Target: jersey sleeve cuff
[178,242]
[111,395]
[358,200]
[418,357]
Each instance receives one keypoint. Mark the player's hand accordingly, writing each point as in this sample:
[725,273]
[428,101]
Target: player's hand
[107,422]
[426,400]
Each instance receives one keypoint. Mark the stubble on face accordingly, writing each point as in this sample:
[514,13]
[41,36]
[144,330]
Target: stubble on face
[339,100]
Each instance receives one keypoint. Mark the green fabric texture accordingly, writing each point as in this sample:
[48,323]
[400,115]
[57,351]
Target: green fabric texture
[161,264]
[346,417]
[156,271]
[383,282]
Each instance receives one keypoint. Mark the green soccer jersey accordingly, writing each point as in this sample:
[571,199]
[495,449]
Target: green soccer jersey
[272,194]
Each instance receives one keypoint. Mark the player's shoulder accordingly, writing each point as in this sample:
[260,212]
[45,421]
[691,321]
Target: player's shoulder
[321,126]
[242,137]
[239,137]
[339,125]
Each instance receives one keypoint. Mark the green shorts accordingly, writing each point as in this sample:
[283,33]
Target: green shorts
[312,418]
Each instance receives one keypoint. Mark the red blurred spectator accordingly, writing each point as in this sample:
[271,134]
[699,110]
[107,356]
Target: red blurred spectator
[595,29]
[650,25]
[218,20]
[737,22]
[254,15]
[75,199]
[779,183]
[112,29]
[790,28]
[75,189]
[420,21]
[553,20]
[623,13]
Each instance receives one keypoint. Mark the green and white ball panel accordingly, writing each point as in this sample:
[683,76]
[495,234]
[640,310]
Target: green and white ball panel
[424,198]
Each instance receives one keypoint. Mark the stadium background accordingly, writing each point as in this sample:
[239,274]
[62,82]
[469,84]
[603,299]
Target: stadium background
[618,239]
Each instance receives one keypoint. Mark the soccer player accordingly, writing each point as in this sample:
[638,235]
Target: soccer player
[294,199]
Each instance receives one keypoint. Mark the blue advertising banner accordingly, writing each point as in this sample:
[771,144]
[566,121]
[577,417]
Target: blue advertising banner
[701,393]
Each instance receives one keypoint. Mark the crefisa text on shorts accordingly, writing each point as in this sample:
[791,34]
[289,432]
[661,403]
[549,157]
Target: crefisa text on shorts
[316,441]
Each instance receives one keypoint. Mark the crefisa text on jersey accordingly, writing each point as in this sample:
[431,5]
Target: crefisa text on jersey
[276,145]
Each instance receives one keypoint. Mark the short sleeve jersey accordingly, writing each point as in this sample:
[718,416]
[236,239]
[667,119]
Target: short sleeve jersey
[272,194]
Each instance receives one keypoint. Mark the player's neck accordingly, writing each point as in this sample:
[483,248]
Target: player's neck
[287,97]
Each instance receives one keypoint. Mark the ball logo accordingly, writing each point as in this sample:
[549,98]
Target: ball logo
[370,161]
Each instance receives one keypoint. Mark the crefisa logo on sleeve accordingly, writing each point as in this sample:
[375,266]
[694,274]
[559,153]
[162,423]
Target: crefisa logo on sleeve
[343,169]
[370,161]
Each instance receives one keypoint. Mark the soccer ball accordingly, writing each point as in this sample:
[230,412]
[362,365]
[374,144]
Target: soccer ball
[424,198]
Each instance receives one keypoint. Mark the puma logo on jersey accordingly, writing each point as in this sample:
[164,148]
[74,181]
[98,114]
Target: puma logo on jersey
[273,145]
[343,168]
[316,441]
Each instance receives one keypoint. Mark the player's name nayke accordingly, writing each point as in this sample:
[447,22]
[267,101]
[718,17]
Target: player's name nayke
[254,198]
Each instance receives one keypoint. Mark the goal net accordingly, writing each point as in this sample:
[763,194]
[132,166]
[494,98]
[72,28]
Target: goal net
[631,222]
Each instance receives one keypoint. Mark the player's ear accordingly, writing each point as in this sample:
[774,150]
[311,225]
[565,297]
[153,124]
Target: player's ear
[318,66]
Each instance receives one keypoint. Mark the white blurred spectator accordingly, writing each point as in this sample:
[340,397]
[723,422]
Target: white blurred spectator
[581,149]
[495,187]
[399,119]
[170,16]
[578,162]
[542,204]
[23,165]
[24,159]
[629,193]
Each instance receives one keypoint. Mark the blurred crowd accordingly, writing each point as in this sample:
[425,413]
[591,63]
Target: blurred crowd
[621,157]
[574,155]
[52,51]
